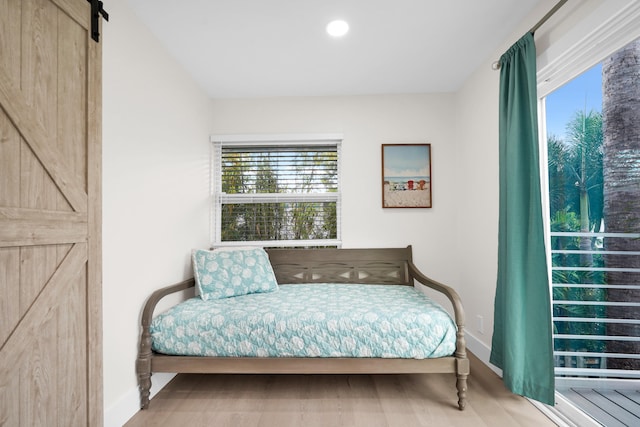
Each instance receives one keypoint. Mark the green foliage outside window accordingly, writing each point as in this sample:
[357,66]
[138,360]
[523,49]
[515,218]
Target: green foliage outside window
[576,205]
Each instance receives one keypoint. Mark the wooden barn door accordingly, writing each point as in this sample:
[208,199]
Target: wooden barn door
[50,243]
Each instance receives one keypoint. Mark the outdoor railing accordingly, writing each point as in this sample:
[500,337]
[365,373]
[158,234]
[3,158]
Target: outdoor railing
[596,307]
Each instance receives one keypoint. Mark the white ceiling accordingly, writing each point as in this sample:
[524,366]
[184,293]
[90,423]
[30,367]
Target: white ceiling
[263,48]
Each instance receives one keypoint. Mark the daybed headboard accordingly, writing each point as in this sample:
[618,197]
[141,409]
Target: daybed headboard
[382,266]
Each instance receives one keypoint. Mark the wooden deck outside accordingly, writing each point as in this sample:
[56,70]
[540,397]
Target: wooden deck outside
[609,407]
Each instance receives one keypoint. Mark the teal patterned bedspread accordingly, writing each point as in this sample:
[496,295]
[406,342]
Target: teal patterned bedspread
[309,320]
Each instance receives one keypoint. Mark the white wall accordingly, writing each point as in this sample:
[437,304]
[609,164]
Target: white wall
[367,122]
[477,217]
[155,186]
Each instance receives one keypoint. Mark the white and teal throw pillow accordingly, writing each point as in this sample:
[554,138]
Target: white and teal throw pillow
[224,273]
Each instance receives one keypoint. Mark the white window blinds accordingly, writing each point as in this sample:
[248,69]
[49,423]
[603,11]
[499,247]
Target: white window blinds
[276,191]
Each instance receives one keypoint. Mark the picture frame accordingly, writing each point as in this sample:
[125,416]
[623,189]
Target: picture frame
[406,176]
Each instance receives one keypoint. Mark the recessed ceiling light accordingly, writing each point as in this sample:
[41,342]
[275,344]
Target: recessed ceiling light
[337,28]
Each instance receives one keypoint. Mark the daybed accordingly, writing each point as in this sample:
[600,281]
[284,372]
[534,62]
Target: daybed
[324,269]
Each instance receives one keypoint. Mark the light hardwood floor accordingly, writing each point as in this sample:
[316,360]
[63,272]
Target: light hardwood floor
[337,400]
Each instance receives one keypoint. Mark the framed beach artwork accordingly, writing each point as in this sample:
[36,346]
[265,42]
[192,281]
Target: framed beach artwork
[406,175]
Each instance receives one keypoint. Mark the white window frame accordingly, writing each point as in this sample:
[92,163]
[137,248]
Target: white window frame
[270,140]
[586,43]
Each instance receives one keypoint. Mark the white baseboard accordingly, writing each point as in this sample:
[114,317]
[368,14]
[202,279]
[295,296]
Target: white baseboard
[129,404]
[481,351]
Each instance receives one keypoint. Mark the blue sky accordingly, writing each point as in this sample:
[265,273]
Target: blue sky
[406,160]
[583,91]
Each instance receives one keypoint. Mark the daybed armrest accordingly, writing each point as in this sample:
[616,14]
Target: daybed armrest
[150,305]
[143,362]
[453,296]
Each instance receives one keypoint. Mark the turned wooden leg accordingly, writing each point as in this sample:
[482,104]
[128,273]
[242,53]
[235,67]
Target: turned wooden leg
[461,385]
[144,385]
[143,368]
[462,372]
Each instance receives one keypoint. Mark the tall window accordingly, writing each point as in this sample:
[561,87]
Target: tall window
[593,142]
[276,190]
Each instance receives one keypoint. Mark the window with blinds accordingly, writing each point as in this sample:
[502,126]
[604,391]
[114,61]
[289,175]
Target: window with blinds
[276,191]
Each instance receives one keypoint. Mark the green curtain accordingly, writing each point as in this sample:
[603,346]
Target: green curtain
[522,342]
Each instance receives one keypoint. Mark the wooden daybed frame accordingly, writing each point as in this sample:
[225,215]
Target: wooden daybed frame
[392,266]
